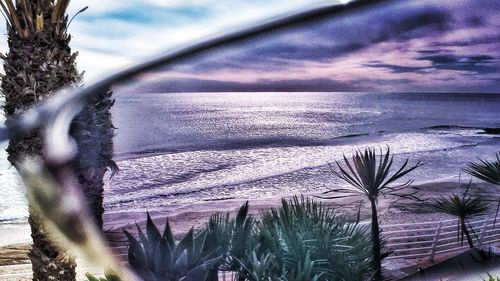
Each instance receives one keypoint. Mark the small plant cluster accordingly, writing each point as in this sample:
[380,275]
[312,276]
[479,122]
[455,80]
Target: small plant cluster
[463,207]
[303,240]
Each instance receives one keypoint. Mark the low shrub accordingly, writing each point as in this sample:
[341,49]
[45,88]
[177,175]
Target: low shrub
[304,240]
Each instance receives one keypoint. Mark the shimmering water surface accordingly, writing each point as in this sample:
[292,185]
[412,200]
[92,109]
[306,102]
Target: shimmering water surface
[186,148]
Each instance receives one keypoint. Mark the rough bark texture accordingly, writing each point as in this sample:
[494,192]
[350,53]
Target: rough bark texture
[40,61]
[93,132]
[48,262]
[34,67]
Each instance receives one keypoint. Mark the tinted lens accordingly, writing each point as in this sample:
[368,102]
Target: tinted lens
[263,117]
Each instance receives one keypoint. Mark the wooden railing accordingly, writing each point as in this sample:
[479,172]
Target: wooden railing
[426,240]
[227,276]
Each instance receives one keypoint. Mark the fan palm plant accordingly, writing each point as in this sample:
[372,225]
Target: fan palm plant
[371,176]
[489,172]
[463,207]
[39,62]
[304,240]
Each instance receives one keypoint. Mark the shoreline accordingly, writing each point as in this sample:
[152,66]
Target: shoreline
[198,213]
[18,233]
[183,218]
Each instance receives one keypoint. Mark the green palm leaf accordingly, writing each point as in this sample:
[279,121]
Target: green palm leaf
[463,207]
[372,176]
[486,170]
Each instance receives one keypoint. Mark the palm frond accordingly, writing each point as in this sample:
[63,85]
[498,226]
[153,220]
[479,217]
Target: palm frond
[25,18]
[371,176]
[486,170]
[231,238]
[462,207]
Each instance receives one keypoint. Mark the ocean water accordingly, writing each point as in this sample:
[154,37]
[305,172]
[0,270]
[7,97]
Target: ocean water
[13,206]
[178,149]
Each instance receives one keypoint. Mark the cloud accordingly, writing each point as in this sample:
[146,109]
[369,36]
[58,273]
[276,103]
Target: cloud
[324,40]
[285,85]
[395,68]
[129,31]
[418,48]
[478,64]
[111,35]
[455,44]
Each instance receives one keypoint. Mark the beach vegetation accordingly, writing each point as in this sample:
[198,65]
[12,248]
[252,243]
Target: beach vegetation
[488,171]
[231,238]
[463,207]
[491,278]
[158,257]
[39,62]
[305,240]
[372,177]
[107,277]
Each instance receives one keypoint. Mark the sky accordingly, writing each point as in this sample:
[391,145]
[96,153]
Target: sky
[453,47]
[113,34]
[390,48]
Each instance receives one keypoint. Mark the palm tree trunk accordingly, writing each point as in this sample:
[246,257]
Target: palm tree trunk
[93,132]
[39,62]
[24,84]
[466,232]
[376,248]
[48,262]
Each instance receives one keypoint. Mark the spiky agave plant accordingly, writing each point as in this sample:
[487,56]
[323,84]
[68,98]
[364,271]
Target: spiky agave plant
[263,268]
[463,207]
[39,62]
[157,257]
[304,240]
[371,176]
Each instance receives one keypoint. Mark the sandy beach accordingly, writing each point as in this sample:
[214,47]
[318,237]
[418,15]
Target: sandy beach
[392,210]
[14,246]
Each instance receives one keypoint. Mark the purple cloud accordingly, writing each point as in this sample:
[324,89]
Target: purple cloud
[392,47]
